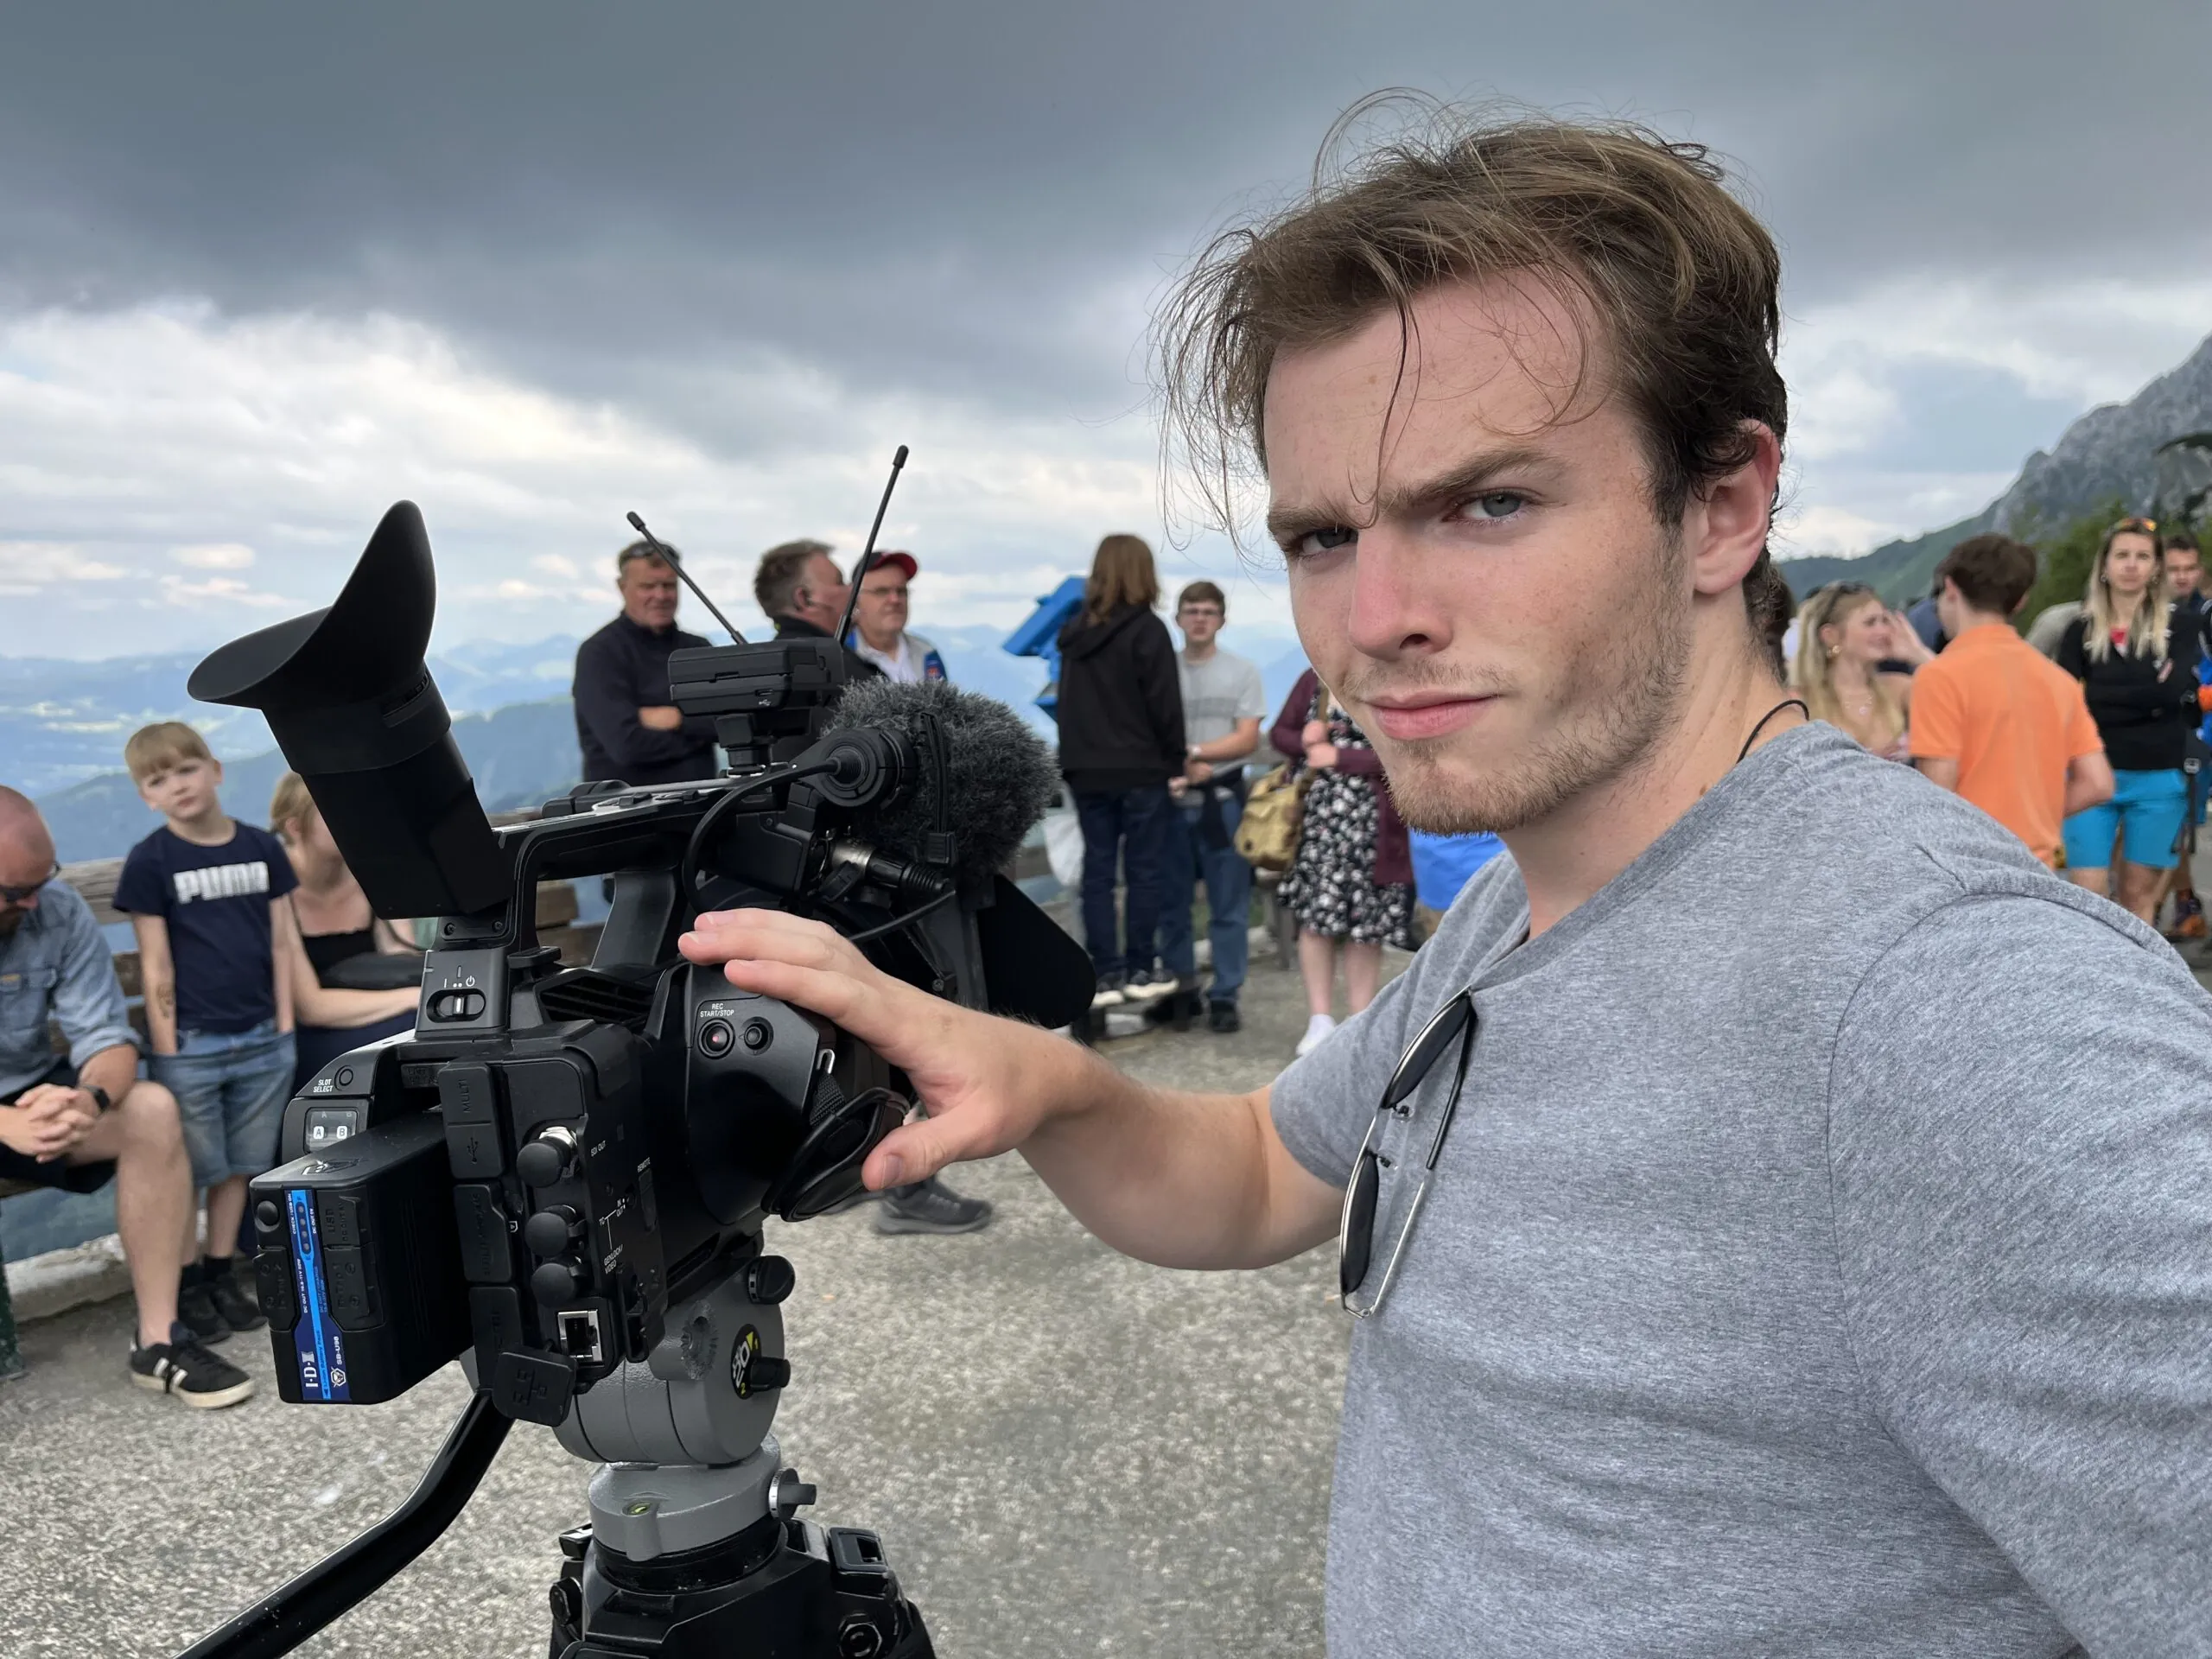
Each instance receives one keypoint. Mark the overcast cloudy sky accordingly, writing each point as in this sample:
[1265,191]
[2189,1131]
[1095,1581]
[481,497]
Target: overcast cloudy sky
[268,268]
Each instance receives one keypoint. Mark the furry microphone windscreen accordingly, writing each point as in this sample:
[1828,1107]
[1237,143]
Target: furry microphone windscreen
[1001,774]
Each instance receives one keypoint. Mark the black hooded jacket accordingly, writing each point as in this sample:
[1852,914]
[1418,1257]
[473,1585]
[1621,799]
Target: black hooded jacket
[1121,707]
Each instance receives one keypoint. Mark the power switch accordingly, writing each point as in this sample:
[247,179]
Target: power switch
[456,1006]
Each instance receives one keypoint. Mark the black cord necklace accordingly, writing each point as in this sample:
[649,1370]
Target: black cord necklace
[1787,702]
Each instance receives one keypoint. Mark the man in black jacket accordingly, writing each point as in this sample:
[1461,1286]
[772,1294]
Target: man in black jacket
[799,587]
[626,724]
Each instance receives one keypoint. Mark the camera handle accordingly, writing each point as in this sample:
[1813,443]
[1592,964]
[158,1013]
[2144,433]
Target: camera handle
[348,1577]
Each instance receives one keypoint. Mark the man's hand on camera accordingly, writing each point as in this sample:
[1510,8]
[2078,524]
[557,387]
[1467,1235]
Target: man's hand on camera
[661,717]
[1183,1180]
[978,1077]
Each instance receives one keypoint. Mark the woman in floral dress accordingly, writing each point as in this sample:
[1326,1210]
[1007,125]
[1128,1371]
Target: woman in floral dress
[1350,885]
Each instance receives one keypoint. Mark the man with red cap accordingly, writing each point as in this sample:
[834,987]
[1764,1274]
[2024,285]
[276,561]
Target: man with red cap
[879,633]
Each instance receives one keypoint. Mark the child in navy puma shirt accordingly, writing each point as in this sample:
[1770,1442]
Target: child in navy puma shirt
[197,892]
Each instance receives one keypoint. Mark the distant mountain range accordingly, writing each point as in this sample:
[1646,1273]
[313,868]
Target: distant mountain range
[62,724]
[520,755]
[2112,453]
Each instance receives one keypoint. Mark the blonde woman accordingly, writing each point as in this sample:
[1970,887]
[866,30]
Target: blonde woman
[2138,672]
[1845,636]
[331,922]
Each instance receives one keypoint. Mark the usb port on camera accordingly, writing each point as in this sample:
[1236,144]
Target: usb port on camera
[580,1335]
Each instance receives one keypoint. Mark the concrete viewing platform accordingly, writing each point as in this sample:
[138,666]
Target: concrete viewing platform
[1066,1452]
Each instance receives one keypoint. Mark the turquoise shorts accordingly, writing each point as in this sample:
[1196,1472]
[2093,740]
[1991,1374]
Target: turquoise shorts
[2144,815]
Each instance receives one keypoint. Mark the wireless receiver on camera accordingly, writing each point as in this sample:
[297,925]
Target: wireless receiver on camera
[562,1176]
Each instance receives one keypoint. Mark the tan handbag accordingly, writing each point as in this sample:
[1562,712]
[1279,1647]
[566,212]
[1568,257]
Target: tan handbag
[1275,811]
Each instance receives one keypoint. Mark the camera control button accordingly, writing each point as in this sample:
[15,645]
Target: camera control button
[549,1231]
[557,1280]
[769,1279]
[716,1038]
[548,1158]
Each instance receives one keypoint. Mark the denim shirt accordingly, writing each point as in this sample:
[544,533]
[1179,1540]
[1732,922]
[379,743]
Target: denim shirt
[57,967]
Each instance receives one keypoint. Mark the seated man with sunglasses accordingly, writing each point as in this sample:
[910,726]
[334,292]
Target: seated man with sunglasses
[77,1123]
[1776,1203]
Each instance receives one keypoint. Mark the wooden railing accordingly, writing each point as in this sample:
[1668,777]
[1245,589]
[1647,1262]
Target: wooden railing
[95,879]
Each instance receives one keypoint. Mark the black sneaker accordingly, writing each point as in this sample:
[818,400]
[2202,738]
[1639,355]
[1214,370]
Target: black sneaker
[183,1367]
[234,1299]
[1109,994]
[1177,1008]
[1221,1018]
[195,1306]
[1147,983]
[930,1207]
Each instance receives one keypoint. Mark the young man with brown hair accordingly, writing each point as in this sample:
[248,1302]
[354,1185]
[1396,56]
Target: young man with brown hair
[1775,1202]
[1995,721]
[1224,704]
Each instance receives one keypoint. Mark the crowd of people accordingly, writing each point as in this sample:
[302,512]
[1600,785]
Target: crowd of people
[1671,1339]
[249,945]
[1155,743]
[2082,738]
[261,959]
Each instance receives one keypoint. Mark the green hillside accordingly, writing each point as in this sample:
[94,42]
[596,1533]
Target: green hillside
[1900,571]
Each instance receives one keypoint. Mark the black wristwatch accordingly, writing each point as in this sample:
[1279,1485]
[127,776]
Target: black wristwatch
[98,1094]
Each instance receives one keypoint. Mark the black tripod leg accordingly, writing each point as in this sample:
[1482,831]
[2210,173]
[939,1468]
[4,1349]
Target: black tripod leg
[343,1580]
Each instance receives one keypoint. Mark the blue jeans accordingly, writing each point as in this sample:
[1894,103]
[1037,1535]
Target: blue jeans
[1127,827]
[1199,849]
[231,1087]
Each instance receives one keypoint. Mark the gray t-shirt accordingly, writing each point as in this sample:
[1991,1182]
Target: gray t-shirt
[1218,693]
[1819,1263]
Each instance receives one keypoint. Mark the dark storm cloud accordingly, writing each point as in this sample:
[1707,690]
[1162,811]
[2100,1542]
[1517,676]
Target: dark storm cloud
[974,200]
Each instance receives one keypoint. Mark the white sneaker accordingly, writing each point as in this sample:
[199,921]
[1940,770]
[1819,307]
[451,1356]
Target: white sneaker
[1316,1032]
[1146,984]
[1109,994]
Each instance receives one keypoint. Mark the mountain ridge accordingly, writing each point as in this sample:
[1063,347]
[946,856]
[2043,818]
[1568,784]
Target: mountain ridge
[2112,452]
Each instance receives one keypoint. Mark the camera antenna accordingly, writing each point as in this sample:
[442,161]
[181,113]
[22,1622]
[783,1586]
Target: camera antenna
[667,556]
[868,553]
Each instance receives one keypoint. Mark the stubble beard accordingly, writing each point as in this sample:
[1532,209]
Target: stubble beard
[1623,689]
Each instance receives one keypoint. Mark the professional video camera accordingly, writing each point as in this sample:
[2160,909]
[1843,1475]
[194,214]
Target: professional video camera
[562,1176]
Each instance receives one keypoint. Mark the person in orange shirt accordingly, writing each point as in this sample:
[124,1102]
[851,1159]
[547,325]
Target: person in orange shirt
[1992,719]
